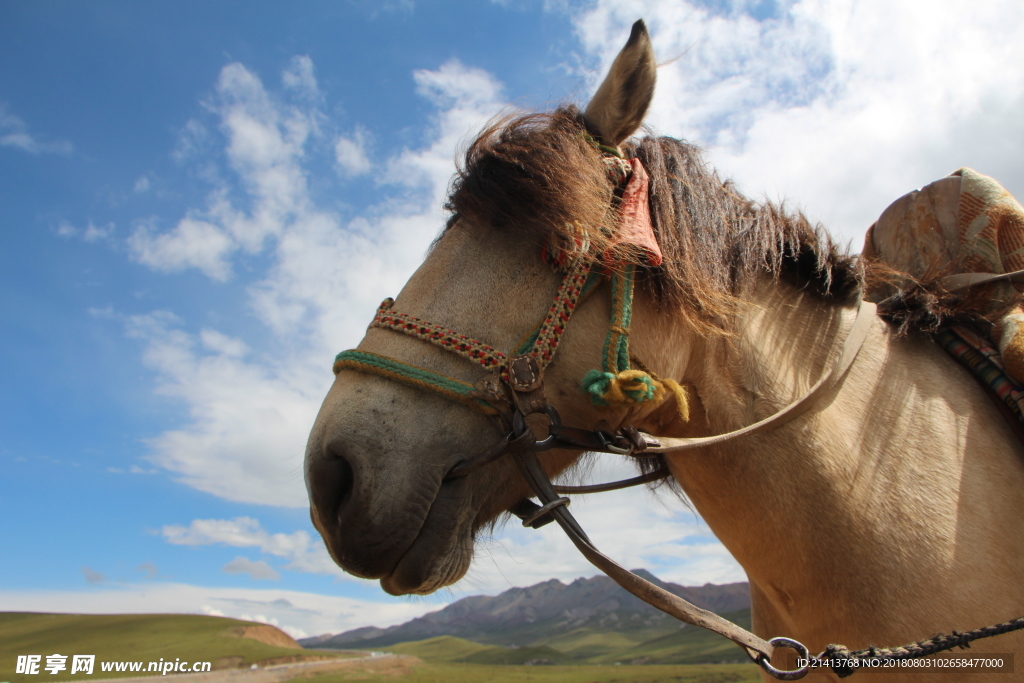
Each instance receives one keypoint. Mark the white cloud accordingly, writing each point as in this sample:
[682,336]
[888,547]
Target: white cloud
[247,420]
[193,140]
[222,344]
[249,415]
[265,144]
[295,612]
[94,233]
[192,243]
[299,76]
[350,153]
[257,569]
[303,552]
[14,133]
[91,232]
[149,569]
[142,185]
[839,106]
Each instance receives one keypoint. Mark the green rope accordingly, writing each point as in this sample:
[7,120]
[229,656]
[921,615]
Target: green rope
[413,376]
[604,149]
[617,343]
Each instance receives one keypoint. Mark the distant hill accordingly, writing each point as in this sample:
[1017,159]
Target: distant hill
[590,620]
[227,643]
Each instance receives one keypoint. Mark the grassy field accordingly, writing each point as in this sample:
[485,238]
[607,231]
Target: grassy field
[448,672]
[449,649]
[452,660]
[617,642]
[136,637]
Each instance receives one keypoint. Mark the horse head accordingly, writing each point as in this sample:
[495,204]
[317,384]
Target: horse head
[530,206]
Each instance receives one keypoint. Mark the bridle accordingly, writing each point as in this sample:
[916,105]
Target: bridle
[514,390]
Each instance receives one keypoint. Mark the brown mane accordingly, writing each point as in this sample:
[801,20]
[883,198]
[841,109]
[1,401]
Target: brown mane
[538,173]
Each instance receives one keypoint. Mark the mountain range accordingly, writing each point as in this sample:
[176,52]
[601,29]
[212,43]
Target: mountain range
[586,620]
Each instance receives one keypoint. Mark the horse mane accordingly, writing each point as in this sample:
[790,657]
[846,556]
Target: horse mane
[539,174]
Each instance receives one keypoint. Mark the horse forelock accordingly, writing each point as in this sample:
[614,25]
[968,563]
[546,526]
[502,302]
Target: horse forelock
[539,174]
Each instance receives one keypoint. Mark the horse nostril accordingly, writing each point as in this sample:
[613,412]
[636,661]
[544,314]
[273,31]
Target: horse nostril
[330,486]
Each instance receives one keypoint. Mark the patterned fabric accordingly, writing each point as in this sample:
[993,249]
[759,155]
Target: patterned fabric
[636,232]
[985,363]
[968,223]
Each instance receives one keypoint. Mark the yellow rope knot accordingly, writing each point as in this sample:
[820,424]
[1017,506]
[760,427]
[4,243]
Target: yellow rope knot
[631,387]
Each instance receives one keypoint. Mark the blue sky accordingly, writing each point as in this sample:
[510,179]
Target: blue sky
[201,202]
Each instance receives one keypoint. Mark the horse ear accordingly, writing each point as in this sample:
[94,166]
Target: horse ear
[619,106]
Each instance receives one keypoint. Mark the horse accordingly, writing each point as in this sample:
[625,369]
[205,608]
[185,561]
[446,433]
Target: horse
[888,511]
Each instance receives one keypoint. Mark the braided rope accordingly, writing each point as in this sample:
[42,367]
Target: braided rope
[542,344]
[444,338]
[616,383]
[921,648]
[616,345]
[594,278]
[413,376]
[554,323]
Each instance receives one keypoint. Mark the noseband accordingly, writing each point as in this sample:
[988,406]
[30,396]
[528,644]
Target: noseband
[514,390]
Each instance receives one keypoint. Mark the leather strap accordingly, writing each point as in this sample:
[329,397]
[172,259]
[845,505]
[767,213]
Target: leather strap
[851,347]
[660,473]
[660,598]
[964,280]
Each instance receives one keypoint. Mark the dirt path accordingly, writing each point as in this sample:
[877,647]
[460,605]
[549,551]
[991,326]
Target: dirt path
[278,673]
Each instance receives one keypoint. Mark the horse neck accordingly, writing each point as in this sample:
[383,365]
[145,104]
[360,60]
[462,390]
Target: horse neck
[852,498]
[764,495]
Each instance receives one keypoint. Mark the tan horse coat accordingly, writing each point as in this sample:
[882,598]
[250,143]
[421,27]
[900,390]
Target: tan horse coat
[889,512]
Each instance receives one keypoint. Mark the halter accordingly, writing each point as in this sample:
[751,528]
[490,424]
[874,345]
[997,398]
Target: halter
[513,389]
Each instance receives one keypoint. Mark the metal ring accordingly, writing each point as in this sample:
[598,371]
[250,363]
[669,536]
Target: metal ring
[529,520]
[519,428]
[784,674]
[609,446]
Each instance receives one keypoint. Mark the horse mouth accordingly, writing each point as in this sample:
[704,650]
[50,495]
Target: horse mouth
[434,551]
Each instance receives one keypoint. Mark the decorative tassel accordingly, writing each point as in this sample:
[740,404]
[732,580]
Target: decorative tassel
[632,387]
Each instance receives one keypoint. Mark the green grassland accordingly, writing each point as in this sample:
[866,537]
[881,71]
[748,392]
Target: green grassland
[447,659]
[440,672]
[669,643]
[136,637]
[450,649]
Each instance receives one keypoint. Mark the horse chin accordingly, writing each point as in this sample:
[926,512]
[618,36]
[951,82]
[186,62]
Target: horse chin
[426,568]
[441,552]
